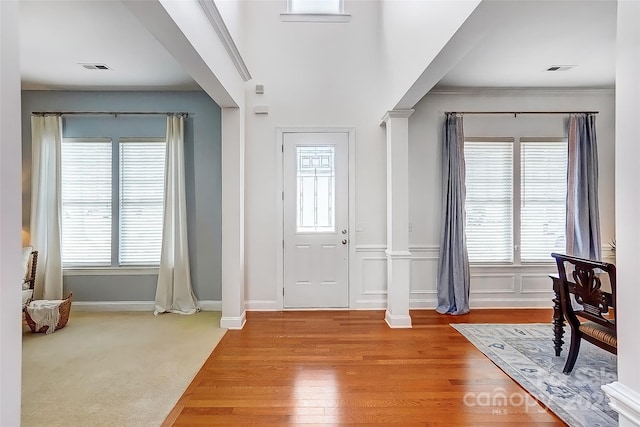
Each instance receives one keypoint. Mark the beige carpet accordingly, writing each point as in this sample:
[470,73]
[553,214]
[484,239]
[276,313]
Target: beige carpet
[113,369]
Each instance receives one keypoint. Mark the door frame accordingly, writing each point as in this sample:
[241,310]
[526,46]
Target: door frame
[279,148]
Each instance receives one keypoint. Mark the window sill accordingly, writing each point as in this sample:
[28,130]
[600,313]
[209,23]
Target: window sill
[110,271]
[315,17]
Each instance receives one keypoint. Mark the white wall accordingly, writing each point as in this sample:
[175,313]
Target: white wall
[491,286]
[10,217]
[314,74]
[628,209]
[413,32]
[337,74]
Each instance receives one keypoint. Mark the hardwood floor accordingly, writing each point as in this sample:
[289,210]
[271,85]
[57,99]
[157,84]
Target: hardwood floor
[349,367]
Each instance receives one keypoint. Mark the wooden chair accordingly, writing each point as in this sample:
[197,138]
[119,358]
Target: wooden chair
[591,320]
[30,260]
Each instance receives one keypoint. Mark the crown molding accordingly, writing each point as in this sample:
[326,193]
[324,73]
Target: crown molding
[213,15]
[505,90]
[396,114]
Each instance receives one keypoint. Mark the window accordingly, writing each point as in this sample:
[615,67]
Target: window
[315,11]
[315,6]
[316,189]
[515,204]
[112,201]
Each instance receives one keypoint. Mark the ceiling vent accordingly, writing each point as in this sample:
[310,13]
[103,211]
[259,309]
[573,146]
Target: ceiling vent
[560,67]
[95,66]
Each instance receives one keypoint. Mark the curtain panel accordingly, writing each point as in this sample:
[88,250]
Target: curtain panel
[174,293]
[46,204]
[453,265]
[583,217]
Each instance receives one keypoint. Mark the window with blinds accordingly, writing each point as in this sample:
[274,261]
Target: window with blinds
[516,198]
[142,163]
[489,200]
[543,189]
[112,201]
[86,202]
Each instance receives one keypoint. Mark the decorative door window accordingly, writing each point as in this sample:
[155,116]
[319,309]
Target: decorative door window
[316,189]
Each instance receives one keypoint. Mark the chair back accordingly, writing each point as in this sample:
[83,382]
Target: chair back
[585,284]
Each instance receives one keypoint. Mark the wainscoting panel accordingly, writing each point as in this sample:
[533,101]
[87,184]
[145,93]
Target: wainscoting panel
[491,286]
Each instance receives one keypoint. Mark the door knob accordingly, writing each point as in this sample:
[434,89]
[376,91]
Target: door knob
[344,241]
[344,231]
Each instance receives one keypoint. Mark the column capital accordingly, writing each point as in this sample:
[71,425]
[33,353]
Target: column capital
[396,114]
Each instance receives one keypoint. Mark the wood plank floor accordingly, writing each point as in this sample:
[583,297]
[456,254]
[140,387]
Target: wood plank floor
[350,368]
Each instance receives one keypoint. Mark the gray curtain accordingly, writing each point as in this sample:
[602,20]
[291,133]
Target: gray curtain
[453,264]
[583,219]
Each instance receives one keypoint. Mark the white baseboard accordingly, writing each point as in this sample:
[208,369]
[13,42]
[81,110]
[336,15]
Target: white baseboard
[207,305]
[229,322]
[397,321]
[261,305]
[624,401]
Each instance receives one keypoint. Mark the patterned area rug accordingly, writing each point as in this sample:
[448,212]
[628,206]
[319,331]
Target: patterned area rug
[525,353]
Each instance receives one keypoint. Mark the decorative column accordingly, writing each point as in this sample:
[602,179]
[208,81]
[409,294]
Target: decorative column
[233,311]
[398,255]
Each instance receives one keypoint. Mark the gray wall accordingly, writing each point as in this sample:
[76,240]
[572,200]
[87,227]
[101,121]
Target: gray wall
[202,157]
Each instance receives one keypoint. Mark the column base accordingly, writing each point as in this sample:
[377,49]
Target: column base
[397,321]
[228,322]
[625,401]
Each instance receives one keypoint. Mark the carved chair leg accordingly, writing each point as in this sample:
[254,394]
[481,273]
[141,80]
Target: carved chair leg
[573,352]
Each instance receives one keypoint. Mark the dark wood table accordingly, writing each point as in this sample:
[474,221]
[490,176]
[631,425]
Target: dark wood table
[558,315]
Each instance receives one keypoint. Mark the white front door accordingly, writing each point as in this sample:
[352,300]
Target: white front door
[316,218]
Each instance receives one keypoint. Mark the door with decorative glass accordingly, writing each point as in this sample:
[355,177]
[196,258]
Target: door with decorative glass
[316,217]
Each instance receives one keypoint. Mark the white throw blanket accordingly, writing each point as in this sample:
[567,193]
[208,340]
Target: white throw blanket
[45,313]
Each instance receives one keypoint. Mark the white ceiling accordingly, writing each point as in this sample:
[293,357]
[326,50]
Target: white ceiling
[530,36]
[524,41]
[55,36]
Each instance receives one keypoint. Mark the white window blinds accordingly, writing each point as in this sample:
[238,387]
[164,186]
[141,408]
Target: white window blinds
[142,164]
[86,201]
[543,198]
[489,201]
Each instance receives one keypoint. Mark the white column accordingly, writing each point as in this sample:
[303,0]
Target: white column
[624,394]
[233,309]
[10,216]
[398,255]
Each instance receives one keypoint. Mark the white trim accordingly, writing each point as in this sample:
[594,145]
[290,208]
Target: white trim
[217,22]
[397,254]
[110,271]
[94,306]
[209,305]
[397,321]
[370,248]
[261,305]
[315,17]
[624,401]
[519,90]
[351,135]
[396,114]
[234,322]
[485,303]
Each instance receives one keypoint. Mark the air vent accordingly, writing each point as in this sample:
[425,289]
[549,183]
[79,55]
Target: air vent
[95,66]
[560,67]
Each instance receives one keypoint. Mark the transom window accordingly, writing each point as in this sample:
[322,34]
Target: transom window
[112,201]
[516,198]
[315,6]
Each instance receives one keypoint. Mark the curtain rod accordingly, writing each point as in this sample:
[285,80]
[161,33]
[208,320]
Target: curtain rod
[515,113]
[108,113]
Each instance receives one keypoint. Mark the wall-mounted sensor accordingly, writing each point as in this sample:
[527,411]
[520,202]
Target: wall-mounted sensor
[261,109]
